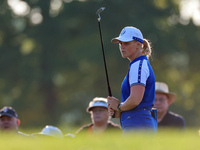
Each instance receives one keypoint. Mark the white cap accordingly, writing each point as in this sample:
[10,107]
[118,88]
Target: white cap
[70,135]
[128,34]
[97,102]
[51,131]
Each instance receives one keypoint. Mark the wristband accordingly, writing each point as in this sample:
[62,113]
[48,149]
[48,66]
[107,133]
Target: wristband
[118,107]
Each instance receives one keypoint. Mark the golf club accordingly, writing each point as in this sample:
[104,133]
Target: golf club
[99,19]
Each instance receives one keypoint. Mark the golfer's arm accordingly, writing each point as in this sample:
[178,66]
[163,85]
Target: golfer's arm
[136,95]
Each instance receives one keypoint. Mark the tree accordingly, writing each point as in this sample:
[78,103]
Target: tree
[52,64]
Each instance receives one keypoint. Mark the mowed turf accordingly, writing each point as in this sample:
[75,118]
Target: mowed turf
[163,140]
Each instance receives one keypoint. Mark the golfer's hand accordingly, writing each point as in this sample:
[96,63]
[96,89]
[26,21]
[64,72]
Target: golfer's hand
[111,112]
[113,103]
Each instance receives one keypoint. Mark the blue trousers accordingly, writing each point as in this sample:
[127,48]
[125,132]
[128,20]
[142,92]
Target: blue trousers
[138,120]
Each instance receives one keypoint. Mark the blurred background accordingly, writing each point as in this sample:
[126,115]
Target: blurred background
[51,59]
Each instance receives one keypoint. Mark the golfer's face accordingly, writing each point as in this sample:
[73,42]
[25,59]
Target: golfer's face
[161,102]
[8,123]
[128,49]
[99,114]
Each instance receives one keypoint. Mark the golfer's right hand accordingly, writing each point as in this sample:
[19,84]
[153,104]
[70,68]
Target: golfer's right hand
[113,103]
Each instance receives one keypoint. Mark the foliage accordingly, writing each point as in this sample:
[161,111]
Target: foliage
[51,63]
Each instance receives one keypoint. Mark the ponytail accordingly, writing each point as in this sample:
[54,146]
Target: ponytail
[147,49]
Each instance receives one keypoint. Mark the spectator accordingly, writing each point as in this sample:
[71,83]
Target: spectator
[49,131]
[9,121]
[101,123]
[163,99]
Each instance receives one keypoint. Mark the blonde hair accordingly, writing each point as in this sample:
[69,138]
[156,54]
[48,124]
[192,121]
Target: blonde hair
[147,49]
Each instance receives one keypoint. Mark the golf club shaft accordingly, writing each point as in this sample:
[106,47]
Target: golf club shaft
[107,79]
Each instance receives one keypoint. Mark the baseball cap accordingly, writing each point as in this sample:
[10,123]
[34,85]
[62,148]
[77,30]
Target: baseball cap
[128,34]
[97,102]
[51,131]
[8,111]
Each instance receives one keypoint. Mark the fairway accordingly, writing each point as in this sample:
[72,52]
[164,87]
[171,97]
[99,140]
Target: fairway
[164,140]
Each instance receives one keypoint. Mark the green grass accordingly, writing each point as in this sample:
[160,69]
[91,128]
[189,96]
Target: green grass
[163,140]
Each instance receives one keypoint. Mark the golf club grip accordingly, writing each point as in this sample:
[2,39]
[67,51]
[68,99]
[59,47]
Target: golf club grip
[109,91]
[110,94]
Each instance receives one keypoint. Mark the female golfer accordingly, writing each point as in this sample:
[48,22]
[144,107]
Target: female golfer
[138,87]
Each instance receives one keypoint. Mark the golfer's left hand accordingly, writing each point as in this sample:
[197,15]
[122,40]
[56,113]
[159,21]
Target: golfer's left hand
[111,112]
